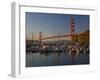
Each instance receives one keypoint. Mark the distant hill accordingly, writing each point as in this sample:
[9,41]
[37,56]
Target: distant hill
[82,37]
[85,33]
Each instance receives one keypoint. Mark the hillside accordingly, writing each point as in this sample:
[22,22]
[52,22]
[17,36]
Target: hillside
[82,37]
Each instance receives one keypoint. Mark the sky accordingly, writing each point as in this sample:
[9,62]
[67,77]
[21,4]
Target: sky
[54,24]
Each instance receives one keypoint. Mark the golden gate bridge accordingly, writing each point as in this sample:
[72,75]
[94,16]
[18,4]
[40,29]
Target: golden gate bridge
[41,46]
[71,35]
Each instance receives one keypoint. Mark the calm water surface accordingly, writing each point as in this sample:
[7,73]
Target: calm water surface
[53,59]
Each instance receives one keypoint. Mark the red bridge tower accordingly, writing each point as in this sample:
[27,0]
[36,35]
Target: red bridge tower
[72,29]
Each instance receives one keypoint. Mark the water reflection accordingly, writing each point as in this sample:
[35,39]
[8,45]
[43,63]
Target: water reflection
[53,59]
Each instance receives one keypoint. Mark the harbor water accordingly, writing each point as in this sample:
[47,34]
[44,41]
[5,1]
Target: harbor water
[55,59]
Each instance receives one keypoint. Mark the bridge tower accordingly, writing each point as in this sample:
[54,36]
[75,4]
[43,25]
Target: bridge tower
[40,37]
[72,29]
